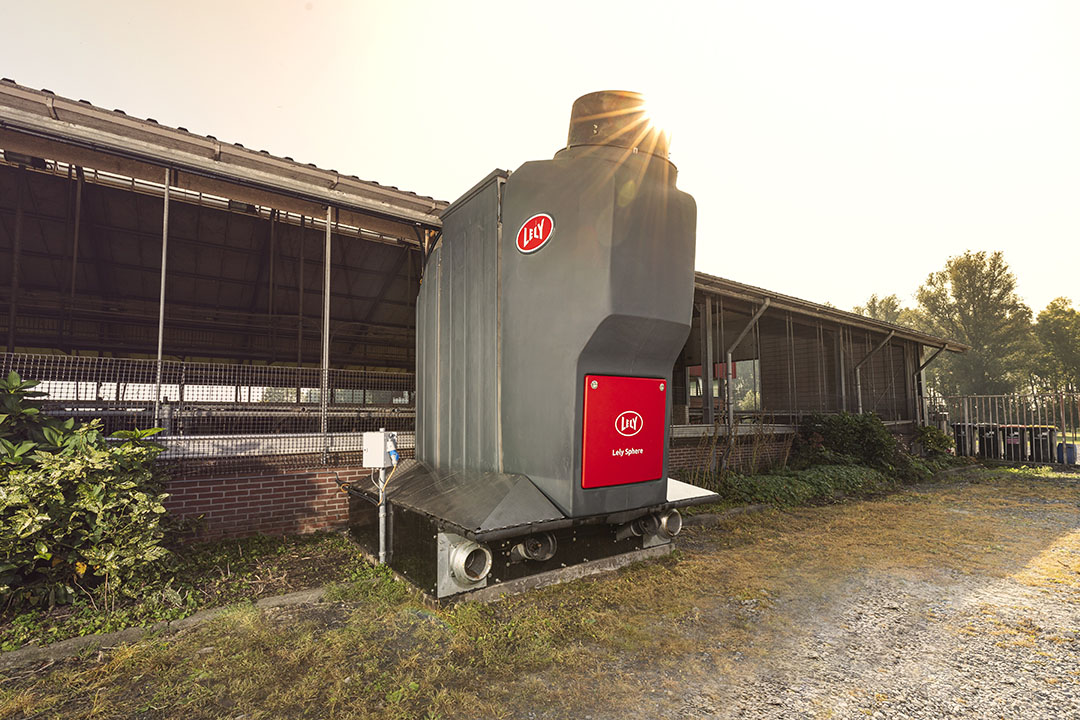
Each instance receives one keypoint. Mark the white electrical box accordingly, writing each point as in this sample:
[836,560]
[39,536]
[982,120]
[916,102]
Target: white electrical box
[377,447]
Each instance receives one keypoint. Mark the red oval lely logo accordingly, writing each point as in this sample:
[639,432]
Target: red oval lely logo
[629,423]
[535,232]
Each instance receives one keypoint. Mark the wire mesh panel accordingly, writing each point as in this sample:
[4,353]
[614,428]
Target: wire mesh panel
[225,415]
[1038,428]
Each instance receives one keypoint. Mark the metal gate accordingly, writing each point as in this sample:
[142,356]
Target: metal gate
[1030,428]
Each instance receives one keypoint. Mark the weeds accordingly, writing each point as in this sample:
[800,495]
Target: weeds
[193,578]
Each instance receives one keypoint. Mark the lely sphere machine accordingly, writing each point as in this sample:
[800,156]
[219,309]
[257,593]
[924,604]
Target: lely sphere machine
[550,316]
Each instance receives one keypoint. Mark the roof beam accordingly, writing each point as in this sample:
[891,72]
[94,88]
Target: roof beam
[720,286]
[85,126]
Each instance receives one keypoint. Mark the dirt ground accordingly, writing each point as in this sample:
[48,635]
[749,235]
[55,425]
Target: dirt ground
[965,604]
[954,599]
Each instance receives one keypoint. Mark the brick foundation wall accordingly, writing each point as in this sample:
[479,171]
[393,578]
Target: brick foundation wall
[266,502]
[285,500]
[689,454]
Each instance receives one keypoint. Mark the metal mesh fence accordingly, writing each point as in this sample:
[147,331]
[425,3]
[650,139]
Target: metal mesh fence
[1040,428]
[223,416]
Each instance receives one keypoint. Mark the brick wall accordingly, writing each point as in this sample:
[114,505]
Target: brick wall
[766,451]
[267,502]
[283,500]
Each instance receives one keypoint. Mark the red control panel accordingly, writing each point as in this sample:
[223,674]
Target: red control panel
[623,438]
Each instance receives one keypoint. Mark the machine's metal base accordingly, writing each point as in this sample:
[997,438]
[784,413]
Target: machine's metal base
[454,534]
[553,577]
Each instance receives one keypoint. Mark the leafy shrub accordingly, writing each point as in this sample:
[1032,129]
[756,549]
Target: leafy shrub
[862,439]
[24,430]
[797,487]
[846,438]
[936,443]
[75,512]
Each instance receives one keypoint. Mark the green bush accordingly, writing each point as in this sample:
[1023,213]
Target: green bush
[846,438]
[798,487]
[936,443]
[76,513]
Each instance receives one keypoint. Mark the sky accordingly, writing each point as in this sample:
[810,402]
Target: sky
[835,149]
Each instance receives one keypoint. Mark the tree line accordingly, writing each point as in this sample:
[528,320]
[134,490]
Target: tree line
[973,300]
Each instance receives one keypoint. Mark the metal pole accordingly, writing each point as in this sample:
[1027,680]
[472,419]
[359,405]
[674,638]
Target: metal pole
[790,369]
[16,251]
[728,387]
[858,386]
[270,293]
[300,306]
[821,367]
[706,362]
[80,180]
[890,387]
[62,323]
[796,405]
[721,337]
[1064,437]
[843,372]
[969,444]
[324,375]
[858,366]
[161,297]
[382,511]
[300,317]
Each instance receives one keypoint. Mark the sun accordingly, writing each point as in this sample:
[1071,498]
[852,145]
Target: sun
[661,110]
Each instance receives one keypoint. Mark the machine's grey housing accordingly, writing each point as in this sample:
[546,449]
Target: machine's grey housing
[504,339]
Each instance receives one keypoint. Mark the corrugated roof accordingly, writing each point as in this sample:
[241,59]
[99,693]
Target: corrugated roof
[719,285]
[45,114]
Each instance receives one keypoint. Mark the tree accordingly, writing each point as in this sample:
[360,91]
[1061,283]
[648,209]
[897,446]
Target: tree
[886,309]
[1057,364]
[973,300]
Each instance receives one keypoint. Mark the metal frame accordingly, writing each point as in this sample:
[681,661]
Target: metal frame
[858,367]
[729,400]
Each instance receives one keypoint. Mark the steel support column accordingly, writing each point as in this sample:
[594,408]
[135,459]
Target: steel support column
[841,354]
[300,313]
[161,296]
[80,180]
[16,251]
[858,367]
[300,304]
[706,318]
[920,385]
[324,374]
[728,374]
[270,290]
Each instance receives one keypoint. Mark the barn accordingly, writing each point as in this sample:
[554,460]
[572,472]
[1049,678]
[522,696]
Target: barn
[262,311]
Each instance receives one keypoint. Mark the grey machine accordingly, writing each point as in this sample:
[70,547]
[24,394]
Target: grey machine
[550,316]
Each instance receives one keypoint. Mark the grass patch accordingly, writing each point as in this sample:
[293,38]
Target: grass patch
[788,488]
[193,578]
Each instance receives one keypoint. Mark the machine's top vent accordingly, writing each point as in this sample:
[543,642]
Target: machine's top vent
[616,118]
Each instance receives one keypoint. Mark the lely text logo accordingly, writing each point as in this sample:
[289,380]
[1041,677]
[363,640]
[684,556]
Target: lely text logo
[535,232]
[629,423]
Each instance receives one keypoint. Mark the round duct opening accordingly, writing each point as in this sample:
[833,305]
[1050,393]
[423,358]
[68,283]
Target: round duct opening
[470,562]
[538,548]
[671,523]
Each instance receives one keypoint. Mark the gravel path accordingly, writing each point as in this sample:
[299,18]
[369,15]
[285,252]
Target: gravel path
[891,648]
[999,640]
